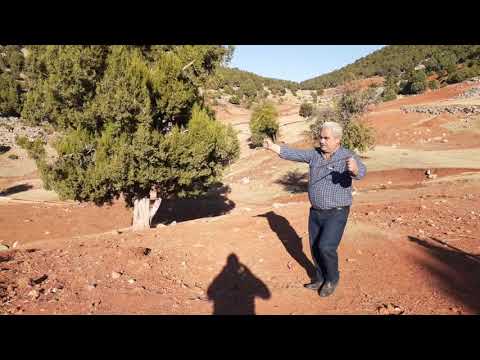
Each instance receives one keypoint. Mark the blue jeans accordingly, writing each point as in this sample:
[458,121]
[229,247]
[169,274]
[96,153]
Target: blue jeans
[325,228]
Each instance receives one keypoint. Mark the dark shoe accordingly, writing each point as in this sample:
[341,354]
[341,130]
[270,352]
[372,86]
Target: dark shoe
[328,288]
[314,285]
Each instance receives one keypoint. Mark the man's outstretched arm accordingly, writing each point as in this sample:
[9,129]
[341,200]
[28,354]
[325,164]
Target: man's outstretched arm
[288,153]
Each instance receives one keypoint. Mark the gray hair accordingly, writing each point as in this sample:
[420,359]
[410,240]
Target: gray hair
[336,128]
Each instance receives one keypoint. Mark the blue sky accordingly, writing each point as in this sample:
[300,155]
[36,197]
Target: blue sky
[297,62]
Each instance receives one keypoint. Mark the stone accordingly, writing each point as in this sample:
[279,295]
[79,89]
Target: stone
[3,247]
[38,280]
[34,294]
[245,180]
[116,275]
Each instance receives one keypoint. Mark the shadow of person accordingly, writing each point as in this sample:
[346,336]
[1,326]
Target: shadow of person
[290,239]
[233,291]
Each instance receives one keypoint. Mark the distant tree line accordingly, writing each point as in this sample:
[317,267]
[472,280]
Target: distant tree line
[447,63]
[247,87]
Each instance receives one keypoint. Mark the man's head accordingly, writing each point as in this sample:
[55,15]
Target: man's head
[330,136]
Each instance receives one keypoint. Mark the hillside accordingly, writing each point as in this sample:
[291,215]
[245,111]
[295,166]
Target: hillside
[411,244]
[464,60]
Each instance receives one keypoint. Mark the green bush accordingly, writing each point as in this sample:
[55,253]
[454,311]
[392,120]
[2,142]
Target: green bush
[434,84]
[319,117]
[417,82]
[10,96]
[357,136]
[349,108]
[462,74]
[306,110]
[11,58]
[390,88]
[389,94]
[353,102]
[234,100]
[263,123]
[34,148]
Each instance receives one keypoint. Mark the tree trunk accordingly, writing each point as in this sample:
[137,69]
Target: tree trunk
[142,214]
[153,210]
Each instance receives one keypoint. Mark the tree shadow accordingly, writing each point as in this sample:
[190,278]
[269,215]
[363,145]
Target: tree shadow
[234,289]
[214,203]
[16,189]
[294,181]
[4,149]
[459,273]
[290,240]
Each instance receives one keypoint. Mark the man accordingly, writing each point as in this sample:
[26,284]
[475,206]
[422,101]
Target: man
[332,169]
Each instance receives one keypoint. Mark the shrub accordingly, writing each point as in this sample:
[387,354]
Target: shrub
[306,110]
[234,100]
[357,136]
[10,96]
[352,104]
[263,123]
[434,84]
[417,83]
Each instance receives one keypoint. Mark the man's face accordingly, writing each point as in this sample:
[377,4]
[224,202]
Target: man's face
[328,143]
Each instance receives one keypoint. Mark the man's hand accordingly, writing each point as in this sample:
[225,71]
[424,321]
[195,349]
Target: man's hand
[352,166]
[268,144]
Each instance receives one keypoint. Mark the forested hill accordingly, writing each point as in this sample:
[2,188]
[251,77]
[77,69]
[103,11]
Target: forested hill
[453,62]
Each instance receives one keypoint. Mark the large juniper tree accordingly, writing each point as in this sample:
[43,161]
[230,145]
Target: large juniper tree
[132,120]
